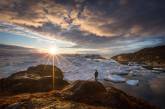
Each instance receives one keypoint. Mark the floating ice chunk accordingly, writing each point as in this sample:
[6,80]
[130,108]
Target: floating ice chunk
[132,82]
[115,78]
[159,69]
[134,73]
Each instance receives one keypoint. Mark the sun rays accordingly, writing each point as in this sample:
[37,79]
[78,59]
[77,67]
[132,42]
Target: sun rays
[53,57]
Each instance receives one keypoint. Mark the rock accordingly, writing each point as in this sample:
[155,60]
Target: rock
[80,93]
[35,79]
[115,78]
[84,89]
[90,92]
[153,57]
[132,82]
[37,72]
[94,93]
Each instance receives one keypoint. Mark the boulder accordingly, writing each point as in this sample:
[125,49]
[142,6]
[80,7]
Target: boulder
[35,79]
[37,72]
[84,89]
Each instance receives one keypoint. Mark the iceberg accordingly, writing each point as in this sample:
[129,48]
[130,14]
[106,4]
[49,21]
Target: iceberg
[132,82]
[115,78]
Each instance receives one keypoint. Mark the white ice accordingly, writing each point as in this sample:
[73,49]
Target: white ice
[132,82]
[78,67]
[115,78]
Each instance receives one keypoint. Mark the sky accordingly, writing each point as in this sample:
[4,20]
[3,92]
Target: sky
[83,26]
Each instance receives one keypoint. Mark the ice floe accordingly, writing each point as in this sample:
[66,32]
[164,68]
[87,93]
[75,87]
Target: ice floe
[132,82]
[115,78]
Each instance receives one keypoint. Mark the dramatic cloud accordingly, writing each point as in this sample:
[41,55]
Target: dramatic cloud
[90,23]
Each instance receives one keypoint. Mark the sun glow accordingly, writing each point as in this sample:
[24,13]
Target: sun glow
[53,50]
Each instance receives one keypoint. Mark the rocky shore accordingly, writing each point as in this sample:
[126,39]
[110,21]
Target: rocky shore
[151,57]
[32,89]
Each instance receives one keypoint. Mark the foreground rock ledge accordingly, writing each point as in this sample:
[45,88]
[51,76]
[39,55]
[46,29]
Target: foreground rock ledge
[79,95]
[94,93]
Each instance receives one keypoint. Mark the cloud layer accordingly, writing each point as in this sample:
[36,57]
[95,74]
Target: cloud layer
[89,23]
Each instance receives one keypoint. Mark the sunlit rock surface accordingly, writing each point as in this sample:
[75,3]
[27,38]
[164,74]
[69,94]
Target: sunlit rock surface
[84,89]
[78,95]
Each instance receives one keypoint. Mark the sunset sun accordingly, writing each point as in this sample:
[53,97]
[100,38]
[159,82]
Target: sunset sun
[53,50]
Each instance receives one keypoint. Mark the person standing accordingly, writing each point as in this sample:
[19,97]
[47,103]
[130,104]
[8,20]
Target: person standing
[96,75]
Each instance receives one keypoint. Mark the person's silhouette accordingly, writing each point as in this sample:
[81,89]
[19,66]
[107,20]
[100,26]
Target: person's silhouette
[96,75]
